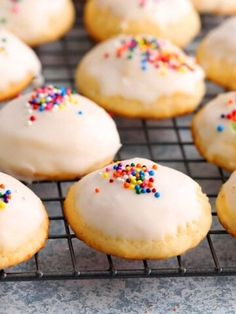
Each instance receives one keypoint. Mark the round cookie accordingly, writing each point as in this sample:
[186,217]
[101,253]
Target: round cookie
[226,205]
[141,77]
[136,209]
[220,7]
[217,54]
[175,20]
[19,65]
[214,131]
[23,222]
[55,134]
[39,21]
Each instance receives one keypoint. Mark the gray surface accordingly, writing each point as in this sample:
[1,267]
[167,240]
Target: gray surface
[198,295]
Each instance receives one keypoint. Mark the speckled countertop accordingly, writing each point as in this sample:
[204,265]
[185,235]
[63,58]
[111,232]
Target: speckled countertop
[166,295]
[181,295]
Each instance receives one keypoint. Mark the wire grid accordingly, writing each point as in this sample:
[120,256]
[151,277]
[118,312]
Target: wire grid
[168,142]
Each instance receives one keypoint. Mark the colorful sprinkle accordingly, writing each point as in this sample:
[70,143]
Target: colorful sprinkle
[5,197]
[97,190]
[152,53]
[14,9]
[3,20]
[220,128]
[230,116]
[143,3]
[3,41]
[136,177]
[49,99]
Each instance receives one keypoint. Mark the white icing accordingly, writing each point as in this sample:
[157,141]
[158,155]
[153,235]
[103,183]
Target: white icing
[221,41]
[125,78]
[30,19]
[17,61]
[58,142]
[120,212]
[22,216]
[157,11]
[214,5]
[229,189]
[217,143]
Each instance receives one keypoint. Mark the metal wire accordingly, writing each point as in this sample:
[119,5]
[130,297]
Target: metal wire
[158,141]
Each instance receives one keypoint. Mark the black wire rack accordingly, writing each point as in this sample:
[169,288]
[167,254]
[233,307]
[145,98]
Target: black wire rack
[168,142]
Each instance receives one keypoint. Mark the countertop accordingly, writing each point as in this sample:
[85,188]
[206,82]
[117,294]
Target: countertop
[146,296]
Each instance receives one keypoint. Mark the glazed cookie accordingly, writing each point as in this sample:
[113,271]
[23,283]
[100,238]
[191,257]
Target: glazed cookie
[221,7]
[39,21]
[214,131]
[141,77]
[19,65]
[137,209]
[55,134]
[23,222]
[175,20]
[217,54]
[226,205]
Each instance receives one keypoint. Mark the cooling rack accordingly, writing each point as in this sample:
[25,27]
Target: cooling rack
[168,142]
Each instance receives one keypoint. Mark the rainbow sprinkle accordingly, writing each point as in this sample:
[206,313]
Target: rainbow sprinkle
[14,9]
[231,116]
[3,41]
[49,98]
[143,3]
[136,177]
[152,52]
[5,196]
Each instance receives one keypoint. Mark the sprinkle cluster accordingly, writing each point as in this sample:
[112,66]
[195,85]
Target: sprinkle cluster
[136,177]
[5,196]
[48,98]
[231,116]
[152,52]
[14,9]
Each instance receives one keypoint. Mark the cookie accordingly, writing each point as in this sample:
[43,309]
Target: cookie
[55,134]
[175,20]
[136,209]
[37,22]
[214,131]
[141,77]
[226,205]
[23,222]
[19,65]
[217,54]
[220,7]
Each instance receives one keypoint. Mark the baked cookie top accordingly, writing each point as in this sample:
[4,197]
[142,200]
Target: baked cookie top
[214,131]
[139,200]
[27,19]
[215,6]
[158,11]
[55,130]
[141,68]
[215,127]
[17,61]
[21,213]
[220,41]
